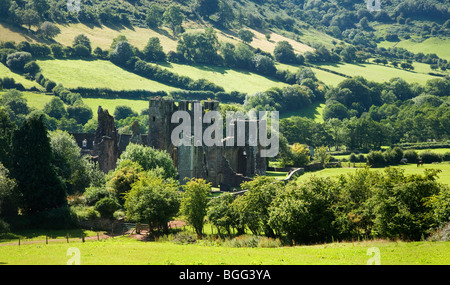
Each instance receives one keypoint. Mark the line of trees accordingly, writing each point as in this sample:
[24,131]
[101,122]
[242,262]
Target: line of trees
[323,209]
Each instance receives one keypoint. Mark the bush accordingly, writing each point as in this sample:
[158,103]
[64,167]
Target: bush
[86,213]
[95,194]
[16,61]
[411,155]
[376,159]
[430,157]
[446,156]
[106,207]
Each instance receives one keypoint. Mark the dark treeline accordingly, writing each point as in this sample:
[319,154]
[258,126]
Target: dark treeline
[350,207]
[365,115]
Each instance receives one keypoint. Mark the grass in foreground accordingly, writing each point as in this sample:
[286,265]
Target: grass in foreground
[127,251]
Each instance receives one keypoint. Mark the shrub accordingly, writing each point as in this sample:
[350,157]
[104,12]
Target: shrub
[411,155]
[376,159]
[95,194]
[446,156]
[106,207]
[430,157]
[16,61]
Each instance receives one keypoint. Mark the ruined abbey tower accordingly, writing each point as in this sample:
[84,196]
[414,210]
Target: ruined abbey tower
[223,166]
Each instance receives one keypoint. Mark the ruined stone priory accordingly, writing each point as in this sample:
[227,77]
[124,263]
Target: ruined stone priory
[223,166]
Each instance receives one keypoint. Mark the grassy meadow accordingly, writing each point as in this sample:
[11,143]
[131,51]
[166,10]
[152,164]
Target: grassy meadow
[439,46]
[444,176]
[230,79]
[127,251]
[378,73]
[6,72]
[96,74]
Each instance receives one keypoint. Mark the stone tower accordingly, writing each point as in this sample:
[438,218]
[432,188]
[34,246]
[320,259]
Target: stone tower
[160,126]
[106,141]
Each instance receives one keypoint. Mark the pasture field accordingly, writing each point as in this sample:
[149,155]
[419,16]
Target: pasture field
[444,176]
[326,77]
[314,111]
[38,101]
[439,46]
[6,72]
[102,36]
[96,74]
[378,73]
[34,100]
[126,251]
[229,79]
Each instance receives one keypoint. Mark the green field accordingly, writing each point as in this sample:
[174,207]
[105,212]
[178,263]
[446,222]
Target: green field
[126,251]
[5,72]
[444,176]
[230,79]
[96,74]
[34,100]
[441,47]
[38,101]
[328,78]
[378,73]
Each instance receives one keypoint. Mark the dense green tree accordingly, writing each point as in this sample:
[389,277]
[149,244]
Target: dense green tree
[199,47]
[80,112]
[173,17]
[49,30]
[153,51]
[16,61]
[55,108]
[154,17]
[40,187]
[123,111]
[153,200]
[226,14]
[150,158]
[304,212]
[256,202]
[194,203]
[30,18]
[246,35]
[82,40]
[206,7]
[284,52]
[122,53]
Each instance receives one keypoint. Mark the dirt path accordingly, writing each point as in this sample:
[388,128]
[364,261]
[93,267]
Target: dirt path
[142,236]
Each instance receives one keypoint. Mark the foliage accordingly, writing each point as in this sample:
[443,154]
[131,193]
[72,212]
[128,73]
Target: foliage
[246,35]
[153,51]
[154,200]
[304,212]
[194,203]
[149,158]
[123,178]
[106,207]
[16,61]
[40,187]
[254,205]
[284,52]
[300,154]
